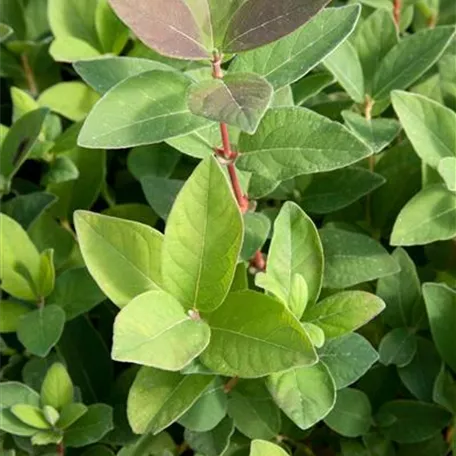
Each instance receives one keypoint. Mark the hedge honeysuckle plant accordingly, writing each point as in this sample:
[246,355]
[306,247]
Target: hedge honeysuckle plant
[227,228]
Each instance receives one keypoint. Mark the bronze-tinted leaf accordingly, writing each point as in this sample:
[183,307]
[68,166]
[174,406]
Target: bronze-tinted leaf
[170,27]
[258,22]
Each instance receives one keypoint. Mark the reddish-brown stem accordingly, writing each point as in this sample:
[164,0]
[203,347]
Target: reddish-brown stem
[230,384]
[60,449]
[30,78]
[397,7]
[258,261]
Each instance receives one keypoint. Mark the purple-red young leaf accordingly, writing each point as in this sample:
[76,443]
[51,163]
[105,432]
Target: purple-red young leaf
[259,22]
[168,26]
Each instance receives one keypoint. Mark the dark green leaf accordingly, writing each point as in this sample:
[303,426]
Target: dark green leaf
[397,347]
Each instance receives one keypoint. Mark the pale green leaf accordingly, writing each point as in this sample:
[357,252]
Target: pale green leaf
[287,60]
[239,99]
[72,100]
[397,347]
[441,309]
[315,333]
[409,59]
[46,278]
[154,330]
[30,415]
[428,125]
[57,389]
[122,256]
[352,258]
[264,448]
[143,109]
[344,312]
[41,329]
[306,395]
[158,398]
[104,73]
[295,249]
[51,415]
[428,217]
[351,415]
[447,169]
[46,437]
[203,240]
[71,49]
[112,33]
[345,65]
[279,150]
[348,358]
[254,335]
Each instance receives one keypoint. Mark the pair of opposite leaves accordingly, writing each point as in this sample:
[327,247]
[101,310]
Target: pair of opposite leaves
[193,29]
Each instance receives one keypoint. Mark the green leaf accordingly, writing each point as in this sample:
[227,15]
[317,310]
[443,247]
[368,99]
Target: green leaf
[91,427]
[57,388]
[75,292]
[19,141]
[203,240]
[152,107]
[46,437]
[263,448]
[295,249]
[82,192]
[446,168]
[256,231]
[441,309]
[344,312]
[348,358]
[428,125]
[345,65]
[352,258]
[70,49]
[444,392]
[72,100]
[279,151]
[402,294]
[20,269]
[376,133]
[329,192]
[30,415]
[62,170]
[154,330]
[315,333]
[253,410]
[310,86]
[12,393]
[351,415]
[428,217]
[411,421]
[122,256]
[254,335]
[287,60]
[374,38]
[5,32]
[409,59]
[46,278]
[40,330]
[73,18]
[51,415]
[419,375]
[239,99]
[397,347]
[10,315]
[208,411]
[70,413]
[112,33]
[213,442]
[104,73]
[306,395]
[158,398]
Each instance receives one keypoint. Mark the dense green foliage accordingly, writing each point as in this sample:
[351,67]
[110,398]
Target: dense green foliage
[228,227]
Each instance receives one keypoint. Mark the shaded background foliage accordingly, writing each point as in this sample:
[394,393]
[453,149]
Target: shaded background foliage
[371,88]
